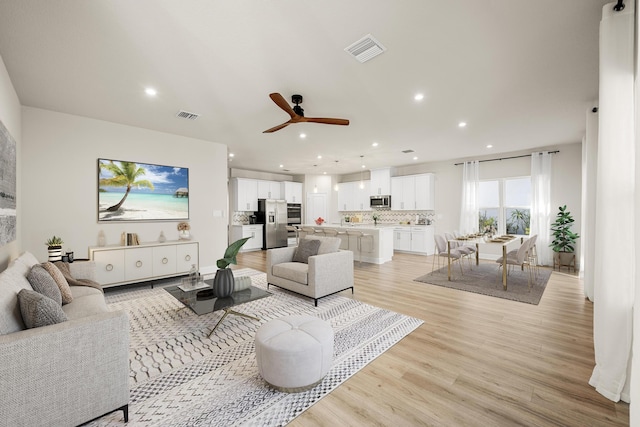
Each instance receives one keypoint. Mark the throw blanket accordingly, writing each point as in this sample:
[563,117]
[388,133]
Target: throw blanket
[66,272]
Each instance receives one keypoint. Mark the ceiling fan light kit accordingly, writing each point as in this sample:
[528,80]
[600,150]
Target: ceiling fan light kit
[297,113]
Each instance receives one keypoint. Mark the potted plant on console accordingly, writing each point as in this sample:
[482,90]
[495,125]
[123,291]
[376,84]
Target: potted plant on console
[223,282]
[564,239]
[54,247]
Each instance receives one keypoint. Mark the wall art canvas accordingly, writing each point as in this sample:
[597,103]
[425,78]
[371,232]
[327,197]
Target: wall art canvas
[8,218]
[133,191]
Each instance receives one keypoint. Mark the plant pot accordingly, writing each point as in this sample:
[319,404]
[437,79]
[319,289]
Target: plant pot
[184,235]
[564,259]
[55,253]
[223,283]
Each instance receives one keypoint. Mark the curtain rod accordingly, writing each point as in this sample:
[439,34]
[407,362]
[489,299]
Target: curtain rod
[619,6]
[506,158]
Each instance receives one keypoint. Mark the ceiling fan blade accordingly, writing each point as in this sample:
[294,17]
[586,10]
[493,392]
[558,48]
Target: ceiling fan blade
[327,121]
[282,103]
[275,128]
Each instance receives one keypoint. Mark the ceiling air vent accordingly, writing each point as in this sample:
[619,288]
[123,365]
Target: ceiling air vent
[365,48]
[407,151]
[187,115]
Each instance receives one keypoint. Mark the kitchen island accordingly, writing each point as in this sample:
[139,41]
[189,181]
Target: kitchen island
[376,249]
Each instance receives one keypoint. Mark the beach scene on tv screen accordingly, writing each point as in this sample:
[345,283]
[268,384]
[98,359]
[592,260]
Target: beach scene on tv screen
[129,191]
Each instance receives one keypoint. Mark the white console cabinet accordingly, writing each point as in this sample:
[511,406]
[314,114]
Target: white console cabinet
[118,265]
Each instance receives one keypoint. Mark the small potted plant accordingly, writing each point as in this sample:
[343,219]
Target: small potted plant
[319,221]
[224,282]
[564,239]
[54,247]
[375,219]
[183,231]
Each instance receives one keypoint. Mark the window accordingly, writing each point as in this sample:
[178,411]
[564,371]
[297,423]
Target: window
[505,205]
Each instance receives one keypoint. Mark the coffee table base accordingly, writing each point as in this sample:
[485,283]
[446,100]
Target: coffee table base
[228,311]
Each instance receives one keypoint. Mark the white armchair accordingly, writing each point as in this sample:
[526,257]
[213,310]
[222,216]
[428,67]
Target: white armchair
[325,274]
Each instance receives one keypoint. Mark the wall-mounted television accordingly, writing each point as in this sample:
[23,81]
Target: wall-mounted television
[133,191]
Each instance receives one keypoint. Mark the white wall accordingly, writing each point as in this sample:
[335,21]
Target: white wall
[10,115]
[59,174]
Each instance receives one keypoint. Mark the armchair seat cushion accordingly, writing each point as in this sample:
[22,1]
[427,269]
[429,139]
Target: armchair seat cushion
[294,271]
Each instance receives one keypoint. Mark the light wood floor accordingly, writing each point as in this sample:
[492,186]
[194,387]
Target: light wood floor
[476,360]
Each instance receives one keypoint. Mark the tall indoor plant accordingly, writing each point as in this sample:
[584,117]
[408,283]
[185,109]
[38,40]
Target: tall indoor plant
[224,282]
[564,239]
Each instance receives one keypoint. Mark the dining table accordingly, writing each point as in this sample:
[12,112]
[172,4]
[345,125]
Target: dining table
[506,242]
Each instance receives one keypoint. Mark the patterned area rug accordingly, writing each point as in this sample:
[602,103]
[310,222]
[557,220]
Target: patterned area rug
[486,279]
[180,377]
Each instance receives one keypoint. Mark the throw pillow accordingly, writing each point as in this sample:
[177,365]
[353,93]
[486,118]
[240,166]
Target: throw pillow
[42,282]
[328,245]
[305,249]
[39,310]
[62,283]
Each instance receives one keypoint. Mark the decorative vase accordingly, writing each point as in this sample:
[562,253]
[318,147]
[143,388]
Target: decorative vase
[223,283]
[162,238]
[184,235]
[55,253]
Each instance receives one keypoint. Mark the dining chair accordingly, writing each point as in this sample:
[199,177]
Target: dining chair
[441,252]
[518,257]
[533,254]
[456,244]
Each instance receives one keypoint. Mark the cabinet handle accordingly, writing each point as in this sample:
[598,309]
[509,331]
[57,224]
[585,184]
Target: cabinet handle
[109,267]
[138,263]
[187,258]
[165,260]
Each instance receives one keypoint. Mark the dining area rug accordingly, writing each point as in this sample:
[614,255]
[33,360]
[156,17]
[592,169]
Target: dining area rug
[179,376]
[486,279]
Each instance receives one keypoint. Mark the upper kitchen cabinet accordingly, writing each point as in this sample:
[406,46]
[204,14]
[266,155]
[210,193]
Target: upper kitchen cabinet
[353,198]
[380,182]
[292,191]
[413,192]
[268,189]
[245,194]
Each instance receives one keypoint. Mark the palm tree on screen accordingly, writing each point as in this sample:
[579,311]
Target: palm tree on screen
[124,175]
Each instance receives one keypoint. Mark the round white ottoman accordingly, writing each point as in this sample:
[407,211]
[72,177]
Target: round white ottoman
[294,353]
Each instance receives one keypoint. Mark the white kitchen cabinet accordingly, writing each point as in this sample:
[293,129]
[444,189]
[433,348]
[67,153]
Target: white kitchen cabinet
[268,189]
[418,239]
[245,194]
[413,192]
[291,191]
[380,182]
[254,231]
[118,265]
[353,198]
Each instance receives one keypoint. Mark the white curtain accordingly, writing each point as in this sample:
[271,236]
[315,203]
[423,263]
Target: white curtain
[469,206]
[615,216]
[588,220]
[541,205]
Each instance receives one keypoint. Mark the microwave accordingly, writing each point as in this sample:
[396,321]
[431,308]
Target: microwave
[380,201]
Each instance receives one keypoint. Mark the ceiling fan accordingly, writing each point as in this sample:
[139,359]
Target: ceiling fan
[297,113]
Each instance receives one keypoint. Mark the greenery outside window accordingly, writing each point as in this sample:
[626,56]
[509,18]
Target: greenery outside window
[505,204]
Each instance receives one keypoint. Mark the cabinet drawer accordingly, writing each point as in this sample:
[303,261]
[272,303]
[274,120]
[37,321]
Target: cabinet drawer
[138,263]
[186,256]
[109,266]
[164,260]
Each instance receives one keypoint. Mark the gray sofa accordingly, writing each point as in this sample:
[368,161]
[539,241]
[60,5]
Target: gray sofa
[67,373]
[327,273]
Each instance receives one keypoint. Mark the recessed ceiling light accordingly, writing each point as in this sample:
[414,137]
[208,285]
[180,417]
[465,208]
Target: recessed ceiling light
[418,97]
[324,173]
[489,146]
[363,166]
[375,144]
[462,124]
[281,166]
[415,157]
[303,135]
[231,154]
[319,156]
[151,91]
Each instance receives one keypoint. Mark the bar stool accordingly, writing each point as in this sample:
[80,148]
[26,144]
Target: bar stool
[305,231]
[295,230]
[360,236]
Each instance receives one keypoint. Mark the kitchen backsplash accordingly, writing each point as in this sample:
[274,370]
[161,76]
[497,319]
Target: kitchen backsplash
[241,218]
[393,217]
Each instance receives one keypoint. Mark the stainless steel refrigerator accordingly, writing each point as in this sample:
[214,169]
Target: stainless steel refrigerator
[273,214]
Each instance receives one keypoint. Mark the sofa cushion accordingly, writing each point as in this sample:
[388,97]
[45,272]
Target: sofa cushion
[305,249]
[89,303]
[328,245]
[24,263]
[39,310]
[42,282]
[294,271]
[62,283]
[12,281]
